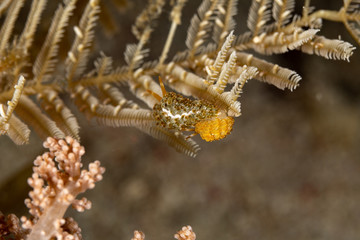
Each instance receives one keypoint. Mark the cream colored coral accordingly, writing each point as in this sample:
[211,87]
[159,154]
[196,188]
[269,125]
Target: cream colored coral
[186,233]
[56,181]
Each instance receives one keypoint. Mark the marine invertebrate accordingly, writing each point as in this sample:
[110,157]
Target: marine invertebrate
[186,233]
[177,112]
[212,68]
[57,180]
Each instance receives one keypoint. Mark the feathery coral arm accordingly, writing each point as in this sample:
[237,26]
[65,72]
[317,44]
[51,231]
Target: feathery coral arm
[348,14]
[142,29]
[18,131]
[8,25]
[27,36]
[47,57]
[110,115]
[141,86]
[28,111]
[118,75]
[270,73]
[200,26]
[80,49]
[5,114]
[175,139]
[281,42]
[214,69]
[116,97]
[175,21]
[329,48]
[224,22]
[282,12]
[259,15]
[54,106]
[4,5]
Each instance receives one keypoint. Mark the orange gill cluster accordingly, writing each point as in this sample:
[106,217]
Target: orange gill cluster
[214,129]
[174,111]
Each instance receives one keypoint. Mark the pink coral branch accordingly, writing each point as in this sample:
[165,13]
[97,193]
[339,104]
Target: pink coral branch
[186,233]
[56,181]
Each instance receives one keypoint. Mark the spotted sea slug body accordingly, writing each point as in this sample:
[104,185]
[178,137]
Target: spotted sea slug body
[177,112]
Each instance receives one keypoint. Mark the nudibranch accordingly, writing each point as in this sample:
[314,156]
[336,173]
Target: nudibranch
[175,111]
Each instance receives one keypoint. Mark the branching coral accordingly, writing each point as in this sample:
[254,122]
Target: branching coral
[186,233]
[213,68]
[56,182]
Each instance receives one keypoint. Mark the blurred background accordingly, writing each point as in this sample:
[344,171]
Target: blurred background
[289,170]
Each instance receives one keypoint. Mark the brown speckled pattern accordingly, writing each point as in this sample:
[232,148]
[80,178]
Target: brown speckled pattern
[177,112]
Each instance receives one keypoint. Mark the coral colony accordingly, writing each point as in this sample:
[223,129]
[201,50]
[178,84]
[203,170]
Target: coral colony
[206,80]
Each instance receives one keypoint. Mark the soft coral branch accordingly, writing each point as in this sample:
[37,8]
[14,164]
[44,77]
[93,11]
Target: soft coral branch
[185,233]
[56,181]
